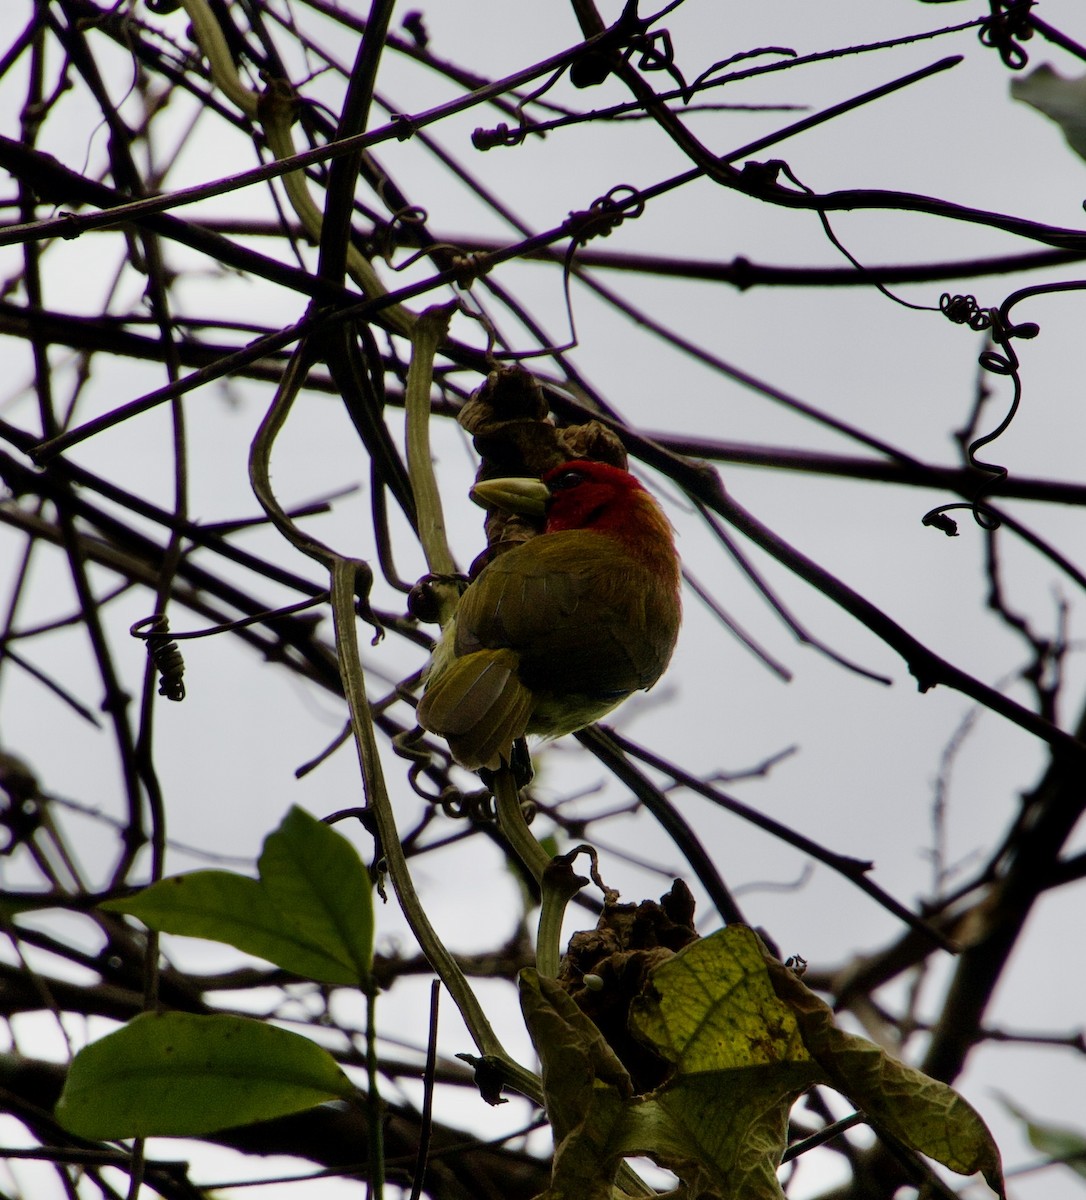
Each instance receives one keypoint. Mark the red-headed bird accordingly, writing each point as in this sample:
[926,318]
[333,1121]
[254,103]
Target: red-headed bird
[556,632]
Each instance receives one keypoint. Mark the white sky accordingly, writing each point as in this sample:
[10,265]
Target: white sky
[861,781]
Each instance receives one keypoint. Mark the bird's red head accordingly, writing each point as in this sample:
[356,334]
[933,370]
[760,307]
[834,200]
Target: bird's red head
[592,495]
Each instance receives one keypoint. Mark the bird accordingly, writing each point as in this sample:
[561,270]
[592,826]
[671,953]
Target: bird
[556,632]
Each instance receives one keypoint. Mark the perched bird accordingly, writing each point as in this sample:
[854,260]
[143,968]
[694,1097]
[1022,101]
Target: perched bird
[557,631]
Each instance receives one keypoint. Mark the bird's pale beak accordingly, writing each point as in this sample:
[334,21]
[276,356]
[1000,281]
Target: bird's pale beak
[523,497]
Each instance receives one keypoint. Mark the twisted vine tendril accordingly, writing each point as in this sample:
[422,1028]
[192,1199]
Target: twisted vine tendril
[1008,24]
[964,310]
[656,53]
[500,135]
[629,36]
[387,236]
[604,215]
[164,653]
[477,806]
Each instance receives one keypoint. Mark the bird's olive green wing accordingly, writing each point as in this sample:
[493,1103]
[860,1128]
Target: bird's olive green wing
[577,608]
[479,705]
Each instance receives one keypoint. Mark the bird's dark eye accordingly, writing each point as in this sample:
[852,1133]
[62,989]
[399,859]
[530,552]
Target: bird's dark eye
[568,479]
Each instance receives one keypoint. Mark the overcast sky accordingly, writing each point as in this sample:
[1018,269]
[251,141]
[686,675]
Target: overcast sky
[861,778]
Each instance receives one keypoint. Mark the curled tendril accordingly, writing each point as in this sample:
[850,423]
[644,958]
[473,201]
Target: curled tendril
[405,746]
[605,214]
[627,37]
[162,644]
[500,135]
[163,653]
[410,214]
[468,266]
[656,53]
[426,759]
[413,217]
[410,744]
[476,806]
[964,310]
[1008,24]
[630,36]
[386,238]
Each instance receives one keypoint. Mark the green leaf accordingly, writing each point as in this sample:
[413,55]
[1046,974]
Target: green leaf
[1061,1143]
[587,1091]
[182,1075]
[745,1038]
[224,907]
[740,1065]
[924,1113]
[1061,100]
[720,1121]
[315,875]
[572,1051]
[311,911]
[713,1008]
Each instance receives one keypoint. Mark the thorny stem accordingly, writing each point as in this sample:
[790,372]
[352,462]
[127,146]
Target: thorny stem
[852,869]
[927,667]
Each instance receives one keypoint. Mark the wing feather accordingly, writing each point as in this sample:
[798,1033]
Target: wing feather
[479,705]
